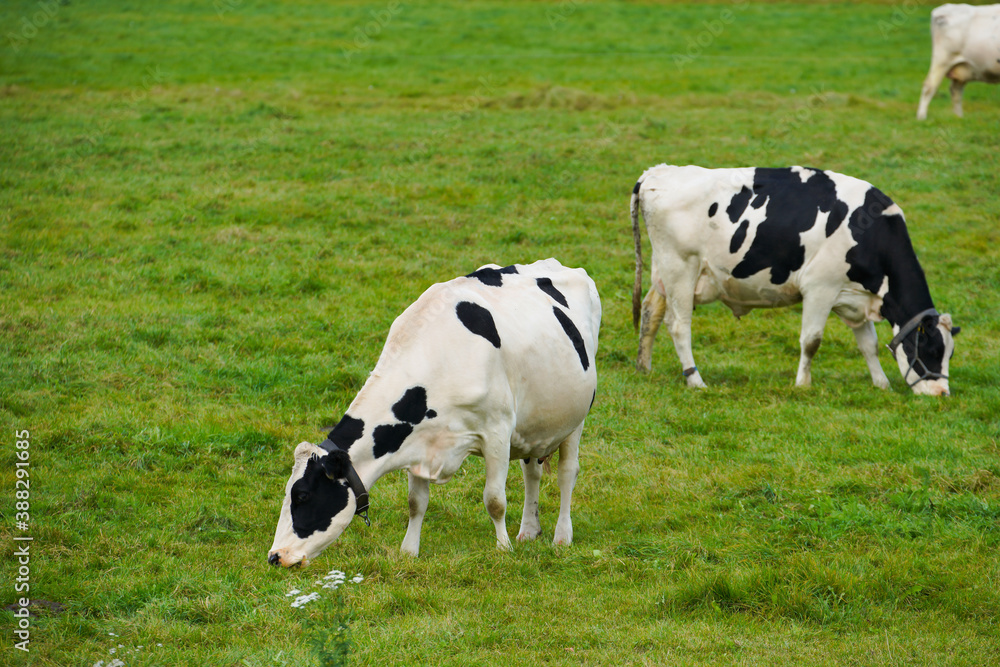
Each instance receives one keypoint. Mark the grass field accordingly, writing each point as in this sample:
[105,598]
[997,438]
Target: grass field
[211,212]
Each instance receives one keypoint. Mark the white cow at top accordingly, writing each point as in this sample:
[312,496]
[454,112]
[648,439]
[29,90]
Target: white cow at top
[966,47]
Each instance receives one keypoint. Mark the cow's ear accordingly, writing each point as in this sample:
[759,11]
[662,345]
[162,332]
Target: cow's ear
[945,321]
[336,463]
[303,451]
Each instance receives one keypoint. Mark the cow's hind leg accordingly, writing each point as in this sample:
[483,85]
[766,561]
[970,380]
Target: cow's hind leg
[530,525]
[497,459]
[868,344]
[653,308]
[567,472]
[680,309]
[956,89]
[815,310]
[419,493]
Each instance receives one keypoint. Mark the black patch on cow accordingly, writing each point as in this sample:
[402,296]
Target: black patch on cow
[758,201]
[412,407]
[431,414]
[883,250]
[488,276]
[316,499]
[792,208]
[389,437]
[635,190]
[347,431]
[545,284]
[739,237]
[479,321]
[738,204]
[574,336]
[592,399]
[713,209]
[508,269]
[837,216]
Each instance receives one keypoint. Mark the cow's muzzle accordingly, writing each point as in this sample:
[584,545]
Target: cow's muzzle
[278,558]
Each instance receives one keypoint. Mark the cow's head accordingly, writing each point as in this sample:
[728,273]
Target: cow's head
[319,504]
[923,348]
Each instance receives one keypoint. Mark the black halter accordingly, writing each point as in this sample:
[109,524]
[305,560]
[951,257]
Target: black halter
[354,482]
[914,328]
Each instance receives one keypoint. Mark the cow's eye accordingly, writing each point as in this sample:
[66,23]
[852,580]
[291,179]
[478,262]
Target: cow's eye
[300,497]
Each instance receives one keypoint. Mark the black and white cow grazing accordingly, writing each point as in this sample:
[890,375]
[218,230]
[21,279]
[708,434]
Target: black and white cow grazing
[965,46]
[500,364]
[757,238]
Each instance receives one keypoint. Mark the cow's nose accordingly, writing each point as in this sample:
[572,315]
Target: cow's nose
[274,559]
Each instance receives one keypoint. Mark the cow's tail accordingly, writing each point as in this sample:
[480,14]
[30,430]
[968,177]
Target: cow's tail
[637,238]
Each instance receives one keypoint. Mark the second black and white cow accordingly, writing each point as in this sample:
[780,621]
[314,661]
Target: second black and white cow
[755,238]
[500,364]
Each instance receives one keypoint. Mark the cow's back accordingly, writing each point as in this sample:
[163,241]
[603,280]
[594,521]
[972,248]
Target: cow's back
[761,235]
[517,341]
[968,34]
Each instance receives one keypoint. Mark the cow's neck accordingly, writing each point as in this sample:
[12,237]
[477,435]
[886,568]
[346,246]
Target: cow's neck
[908,293]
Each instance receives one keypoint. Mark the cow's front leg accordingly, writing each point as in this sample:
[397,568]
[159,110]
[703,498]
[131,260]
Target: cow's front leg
[931,83]
[653,308]
[868,344]
[419,493]
[569,468]
[495,495]
[530,525]
[815,310]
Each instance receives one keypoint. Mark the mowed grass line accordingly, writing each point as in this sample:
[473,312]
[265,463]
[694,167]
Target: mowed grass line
[203,249]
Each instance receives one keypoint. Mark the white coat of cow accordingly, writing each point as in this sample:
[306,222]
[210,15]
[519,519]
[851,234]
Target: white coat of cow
[757,238]
[965,46]
[500,364]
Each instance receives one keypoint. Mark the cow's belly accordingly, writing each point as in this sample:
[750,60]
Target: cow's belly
[533,448]
[541,425]
[744,294]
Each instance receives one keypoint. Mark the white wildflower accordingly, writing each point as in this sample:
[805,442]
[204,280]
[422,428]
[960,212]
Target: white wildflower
[358,578]
[289,594]
[303,599]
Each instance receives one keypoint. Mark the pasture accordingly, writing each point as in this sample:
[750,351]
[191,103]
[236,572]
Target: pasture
[211,212]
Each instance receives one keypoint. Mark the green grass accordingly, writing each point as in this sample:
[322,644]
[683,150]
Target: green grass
[210,215]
